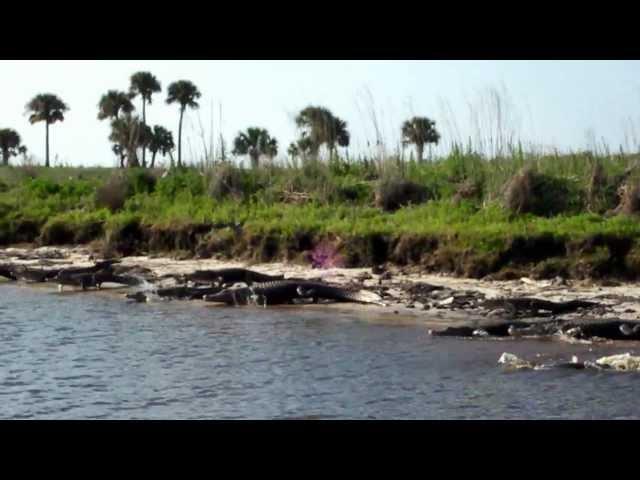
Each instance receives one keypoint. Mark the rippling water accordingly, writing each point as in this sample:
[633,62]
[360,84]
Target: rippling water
[79,356]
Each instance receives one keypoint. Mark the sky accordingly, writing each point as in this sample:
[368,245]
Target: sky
[568,105]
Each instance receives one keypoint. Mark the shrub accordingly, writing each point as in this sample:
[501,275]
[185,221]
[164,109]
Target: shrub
[141,180]
[602,190]
[467,190]
[393,193]
[114,193]
[227,181]
[179,181]
[539,194]
[57,232]
[630,199]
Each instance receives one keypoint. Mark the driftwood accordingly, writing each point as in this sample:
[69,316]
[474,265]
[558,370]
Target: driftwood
[289,196]
[421,288]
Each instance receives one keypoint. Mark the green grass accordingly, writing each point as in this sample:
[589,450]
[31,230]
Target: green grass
[60,203]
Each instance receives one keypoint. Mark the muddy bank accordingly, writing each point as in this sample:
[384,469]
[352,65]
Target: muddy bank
[575,311]
[539,256]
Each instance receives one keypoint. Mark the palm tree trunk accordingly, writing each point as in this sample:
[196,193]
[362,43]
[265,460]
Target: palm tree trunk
[180,138]
[132,158]
[46,164]
[144,122]
[255,160]
[419,151]
[153,158]
[5,156]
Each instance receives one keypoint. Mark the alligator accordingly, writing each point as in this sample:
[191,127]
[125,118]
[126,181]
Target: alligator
[67,273]
[181,292]
[287,291]
[33,275]
[533,306]
[229,276]
[86,280]
[6,271]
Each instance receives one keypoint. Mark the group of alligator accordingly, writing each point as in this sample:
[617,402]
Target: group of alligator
[208,285]
[516,317]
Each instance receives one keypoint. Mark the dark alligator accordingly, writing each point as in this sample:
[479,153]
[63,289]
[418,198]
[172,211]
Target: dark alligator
[33,275]
[533,306]
[6,271]
[287,291]
[95,280]
[67,273]
[180,293]
[229,276]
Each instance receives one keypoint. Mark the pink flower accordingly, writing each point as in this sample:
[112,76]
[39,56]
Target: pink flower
[325,255]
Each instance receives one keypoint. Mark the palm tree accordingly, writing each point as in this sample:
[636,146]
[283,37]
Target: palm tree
[161,141]
[10,145]
[300,148]
[129,134]
[48,108]
[339,134]
[319,126]
[293,151]
[144,84]
[255,142]
[112,103]
[185,93]
[419,131]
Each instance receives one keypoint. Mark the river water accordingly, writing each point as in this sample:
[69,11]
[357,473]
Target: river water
[96,356]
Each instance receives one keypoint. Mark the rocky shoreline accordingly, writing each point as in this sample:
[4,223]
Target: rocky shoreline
[573,311]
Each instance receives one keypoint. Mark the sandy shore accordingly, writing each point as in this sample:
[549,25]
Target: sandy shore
[619,300]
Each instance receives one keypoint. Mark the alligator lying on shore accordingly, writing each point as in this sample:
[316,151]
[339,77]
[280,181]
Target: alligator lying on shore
[288,291]
[33,275]
[181,293]
[6,271]
[40,275]
[86,280]
[533,306]
[228,276]
[585,328]
[103,266]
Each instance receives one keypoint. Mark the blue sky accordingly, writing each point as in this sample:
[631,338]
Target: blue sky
[564,104]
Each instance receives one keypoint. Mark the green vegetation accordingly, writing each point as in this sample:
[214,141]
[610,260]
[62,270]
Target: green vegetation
[507,213]
[462,214]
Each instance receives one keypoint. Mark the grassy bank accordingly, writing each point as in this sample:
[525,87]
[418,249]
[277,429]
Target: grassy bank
[522,214]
